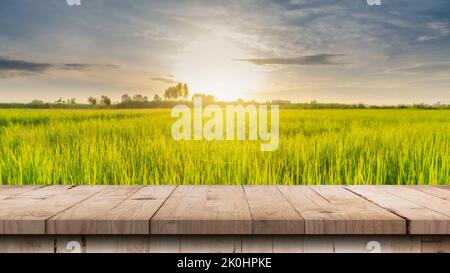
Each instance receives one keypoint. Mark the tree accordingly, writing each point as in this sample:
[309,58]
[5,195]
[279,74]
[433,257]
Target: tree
[72,101]
[105,100]
[185,91]
[170,93]
[207,99]
[92,100]
[178,91]
[37,102]
[137,97]
[157,98]
[125,98]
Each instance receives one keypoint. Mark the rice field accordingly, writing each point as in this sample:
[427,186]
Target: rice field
[135,147]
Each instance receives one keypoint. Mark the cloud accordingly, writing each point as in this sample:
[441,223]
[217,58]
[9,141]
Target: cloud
[12,67]
[437,29]
[80,67]
[424,38]
[424,68]
[319,59]
[440,27]
[164,80]
[7,64]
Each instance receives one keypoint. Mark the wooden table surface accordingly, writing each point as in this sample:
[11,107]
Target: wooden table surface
[213,210]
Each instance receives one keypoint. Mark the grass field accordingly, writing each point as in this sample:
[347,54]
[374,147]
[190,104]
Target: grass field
[135,147]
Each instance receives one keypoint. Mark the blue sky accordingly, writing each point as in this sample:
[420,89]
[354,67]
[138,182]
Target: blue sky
[330,50]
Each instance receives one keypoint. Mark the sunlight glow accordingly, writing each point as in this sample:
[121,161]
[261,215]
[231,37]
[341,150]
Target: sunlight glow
[209,66]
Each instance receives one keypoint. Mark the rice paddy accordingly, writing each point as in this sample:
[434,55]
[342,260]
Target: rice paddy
[401,146]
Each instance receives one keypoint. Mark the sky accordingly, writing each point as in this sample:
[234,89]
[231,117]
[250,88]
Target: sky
[343,51]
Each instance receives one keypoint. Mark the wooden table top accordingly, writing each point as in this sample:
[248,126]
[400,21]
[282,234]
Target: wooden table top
[213,210]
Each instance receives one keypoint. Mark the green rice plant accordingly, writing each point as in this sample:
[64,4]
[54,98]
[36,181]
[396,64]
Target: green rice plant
[135,147]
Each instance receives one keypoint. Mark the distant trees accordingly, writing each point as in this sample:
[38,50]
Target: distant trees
[105,100]
[92,100]
[180,90]
[139,97]
[157,98]
[60,101]
[205,98]
[125,98]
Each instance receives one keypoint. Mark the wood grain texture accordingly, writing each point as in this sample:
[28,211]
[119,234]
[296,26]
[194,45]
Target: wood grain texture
[117,244]
[424,199]
[288,244]
[335,210]
[375,244]
[422,220]
[225,244]
[11,191]
[318,244]
[434,191]
[27,244]
[257,244]
[133,215]
[227,210]
[435,244]
[271,212]
[203,210]
[165,244]
[11,205]
[443,187]
[83,217]
[210,244]
[30,219]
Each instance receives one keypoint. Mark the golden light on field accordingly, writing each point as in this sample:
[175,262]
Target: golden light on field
[209,66]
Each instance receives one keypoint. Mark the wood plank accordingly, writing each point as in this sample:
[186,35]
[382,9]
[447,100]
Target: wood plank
[443,187]
[28,244]
[318,244]
[421,220]
[133,215]
[288,244]
[374,244]
[203,210]
[42,192]
[82,218]
[335,210]
[211,244]
[436,244]
[69,244]
[271,212]
[426,200]
[164,244]
[11,191]
[434,191]
[117,244]
[27,198]
[257,244]
[31,219]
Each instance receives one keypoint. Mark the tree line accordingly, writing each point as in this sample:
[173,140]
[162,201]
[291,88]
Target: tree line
[173,94]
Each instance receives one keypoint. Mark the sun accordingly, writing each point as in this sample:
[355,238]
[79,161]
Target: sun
[209,66]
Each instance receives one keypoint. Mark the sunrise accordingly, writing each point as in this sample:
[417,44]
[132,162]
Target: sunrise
[346,52]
